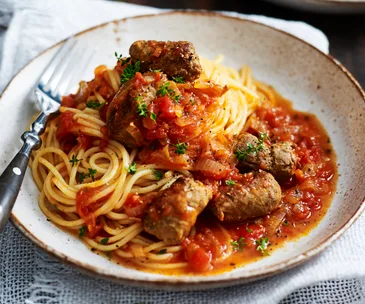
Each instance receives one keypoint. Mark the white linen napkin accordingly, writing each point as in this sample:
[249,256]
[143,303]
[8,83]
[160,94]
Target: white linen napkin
[30,276]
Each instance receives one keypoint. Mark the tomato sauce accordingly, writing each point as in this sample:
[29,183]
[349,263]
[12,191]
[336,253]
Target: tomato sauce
[214,247]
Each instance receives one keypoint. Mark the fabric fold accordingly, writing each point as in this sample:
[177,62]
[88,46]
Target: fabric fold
[29,275]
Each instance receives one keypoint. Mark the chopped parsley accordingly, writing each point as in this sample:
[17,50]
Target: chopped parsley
[243,153]
[119,57]
[248,229]
[176,98]
[141,107]
[178,79]
[162,251]
[230,182]
[94,104]
[158,174]
[286,223]
[181,148]
[153,116]
[238,245]
[91,173]
[132,169]
[262,245]
[165,90]
[104,241]
[74,160]
[82,231]
[129,71]
[80,177]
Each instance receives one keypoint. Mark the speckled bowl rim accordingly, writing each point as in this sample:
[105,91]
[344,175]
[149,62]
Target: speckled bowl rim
[175,282]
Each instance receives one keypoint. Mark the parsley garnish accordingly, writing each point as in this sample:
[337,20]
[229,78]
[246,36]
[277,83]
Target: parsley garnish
[286,223]
[104,241]
[180,148]
[248,229]
[230,182]
[82,231]
[262,245]
[162,251]
[129,71]
[165,90]
[94,104]
[74,160]
[132,169]
[91,173]
[80,177]
[153,116]
[178,79]
[242,153]
[238,245]
[158,174]
[119,57]
[141,107]
[176,98]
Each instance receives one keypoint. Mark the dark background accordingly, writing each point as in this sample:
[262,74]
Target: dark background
[346,33]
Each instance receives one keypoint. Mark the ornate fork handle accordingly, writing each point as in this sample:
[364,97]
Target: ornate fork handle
[12,178]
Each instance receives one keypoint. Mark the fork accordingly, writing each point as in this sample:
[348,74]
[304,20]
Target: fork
[55,81]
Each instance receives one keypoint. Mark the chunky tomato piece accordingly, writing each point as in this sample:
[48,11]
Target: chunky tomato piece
[135,205]
[85,209]
[66,125]
[166,107]
[200,260]
[68,101]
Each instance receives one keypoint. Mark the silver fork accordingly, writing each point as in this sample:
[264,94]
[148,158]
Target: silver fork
[54,82]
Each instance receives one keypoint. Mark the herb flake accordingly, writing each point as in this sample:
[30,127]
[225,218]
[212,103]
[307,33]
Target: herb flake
[230,182]
[178,79]
[94,104]
[162,251]
[132,169]
[238,245]
[158,174]
[181,148]
[104,241]
[74,160]
[130,70]
[82,231]
[262,246]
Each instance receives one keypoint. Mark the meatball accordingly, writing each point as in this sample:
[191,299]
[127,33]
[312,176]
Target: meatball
[123,118]
[256,197]
[173,213]
[279,159]
[284,160]
[176,59]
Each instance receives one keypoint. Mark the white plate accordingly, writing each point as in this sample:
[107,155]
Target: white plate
[329,6]
[312,80]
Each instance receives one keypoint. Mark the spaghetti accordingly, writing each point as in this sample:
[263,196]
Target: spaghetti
[96,187]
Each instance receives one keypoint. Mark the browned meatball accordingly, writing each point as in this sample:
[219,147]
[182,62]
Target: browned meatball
[173,213]
[256,197]
[284,160]
[279,159]
[123,119]
[176,59]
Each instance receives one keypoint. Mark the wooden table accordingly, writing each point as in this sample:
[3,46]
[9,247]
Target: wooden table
[346,34]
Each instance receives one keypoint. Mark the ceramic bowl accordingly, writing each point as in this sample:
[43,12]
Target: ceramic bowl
[313,81]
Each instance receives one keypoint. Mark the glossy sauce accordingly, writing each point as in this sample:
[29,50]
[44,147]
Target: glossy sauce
[306,199]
